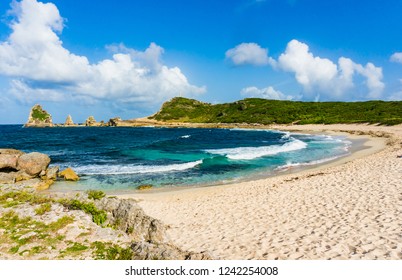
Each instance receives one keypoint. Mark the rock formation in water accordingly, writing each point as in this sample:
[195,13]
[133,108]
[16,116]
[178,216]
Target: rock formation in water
[114,121]
[69,121]
[90,121]
[39,117]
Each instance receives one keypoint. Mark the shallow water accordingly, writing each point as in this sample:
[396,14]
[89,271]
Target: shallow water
[117,158]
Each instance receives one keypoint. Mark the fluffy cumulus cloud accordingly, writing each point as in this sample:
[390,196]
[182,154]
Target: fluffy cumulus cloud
[320,78]
[249,53]
[42,69]
[267,93]
[396,57]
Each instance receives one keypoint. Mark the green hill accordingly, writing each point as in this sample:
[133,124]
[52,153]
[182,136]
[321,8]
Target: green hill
[263,111]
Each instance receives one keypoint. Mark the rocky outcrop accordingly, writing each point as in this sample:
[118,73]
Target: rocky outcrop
[69,175]
[150,241]
[69,121]
[16,166]
[127,216]
[90,121]
[164,251]
[114,121]
[38,117]
[33,163]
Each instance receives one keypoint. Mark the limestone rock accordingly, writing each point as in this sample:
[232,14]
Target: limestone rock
[22,176]
[7,178]
[90,121]
[51,173]
[69,121]
[44,185]
[163,251]
[127,216]
[69,175]
[33,163]
[114,121]
[39,117]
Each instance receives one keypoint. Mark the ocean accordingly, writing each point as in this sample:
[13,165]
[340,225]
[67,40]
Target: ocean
[116,159]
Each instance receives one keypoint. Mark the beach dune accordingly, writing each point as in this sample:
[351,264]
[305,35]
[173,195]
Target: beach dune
[348,209]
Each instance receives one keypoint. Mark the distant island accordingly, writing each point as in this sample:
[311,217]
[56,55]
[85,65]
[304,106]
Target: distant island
[250,111]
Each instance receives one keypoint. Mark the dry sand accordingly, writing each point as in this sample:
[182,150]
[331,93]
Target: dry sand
[350,209]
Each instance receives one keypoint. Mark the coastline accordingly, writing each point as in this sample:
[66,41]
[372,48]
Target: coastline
[291,216]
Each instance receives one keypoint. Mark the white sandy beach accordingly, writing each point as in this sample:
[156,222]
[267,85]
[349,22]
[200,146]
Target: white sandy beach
[348,209]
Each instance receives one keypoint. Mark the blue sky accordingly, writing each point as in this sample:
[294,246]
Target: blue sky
[125,58]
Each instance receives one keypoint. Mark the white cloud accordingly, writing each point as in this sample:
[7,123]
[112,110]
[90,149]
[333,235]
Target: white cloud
[322,77]
[396,57]
[249,53]
[42,69]
[267,93]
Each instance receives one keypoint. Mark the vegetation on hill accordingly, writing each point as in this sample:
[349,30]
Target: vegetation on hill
[39,114]
[263,111]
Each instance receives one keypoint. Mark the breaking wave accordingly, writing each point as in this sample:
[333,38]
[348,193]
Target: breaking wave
[133,169]
[248,153]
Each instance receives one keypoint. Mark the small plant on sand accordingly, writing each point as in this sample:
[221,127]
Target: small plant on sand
[95,195]
[98,216]
[43,208]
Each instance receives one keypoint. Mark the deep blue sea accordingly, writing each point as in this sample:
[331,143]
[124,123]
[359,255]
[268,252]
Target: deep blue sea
[120,159]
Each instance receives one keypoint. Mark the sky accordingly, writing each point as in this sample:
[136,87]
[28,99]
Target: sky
[126,57]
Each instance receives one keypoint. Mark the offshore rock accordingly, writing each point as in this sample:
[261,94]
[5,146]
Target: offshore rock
[90,121]
[69,121]
[38,117]
[114,121]
[33,163]
[69,175]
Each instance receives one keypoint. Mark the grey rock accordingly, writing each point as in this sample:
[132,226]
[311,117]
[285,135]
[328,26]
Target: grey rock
[127,216]
[164,251]
[7,178]
[33,163]
[9,158]
[51,173]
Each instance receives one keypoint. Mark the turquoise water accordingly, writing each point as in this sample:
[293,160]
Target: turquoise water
[113,158]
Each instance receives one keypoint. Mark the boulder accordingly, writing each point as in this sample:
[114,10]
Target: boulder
[51,173]
[127,216]
[33,163]
[69,175]
[8,159]
[69,121]
[7,178]
[38,117]
[44,185]
[22,176]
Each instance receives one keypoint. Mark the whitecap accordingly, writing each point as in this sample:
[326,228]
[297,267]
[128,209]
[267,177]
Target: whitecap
[247,153]
[95,169]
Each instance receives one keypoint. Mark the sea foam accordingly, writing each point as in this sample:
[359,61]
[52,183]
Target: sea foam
[248,153]
[133,169]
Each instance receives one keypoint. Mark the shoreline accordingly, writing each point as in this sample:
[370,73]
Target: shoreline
[370,145]
[346,209]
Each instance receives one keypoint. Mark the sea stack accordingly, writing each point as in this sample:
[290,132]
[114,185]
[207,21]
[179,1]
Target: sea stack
[38,117]
[69,121]
[90,121]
